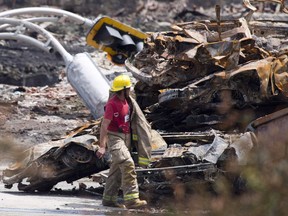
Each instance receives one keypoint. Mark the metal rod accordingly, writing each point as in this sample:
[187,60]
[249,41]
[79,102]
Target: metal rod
[50,11]
[26,39]
[34,19]
[55,43]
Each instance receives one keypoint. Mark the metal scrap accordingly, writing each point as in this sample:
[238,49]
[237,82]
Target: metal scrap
[192,66]
[210,152]
[271,133]
[44,165]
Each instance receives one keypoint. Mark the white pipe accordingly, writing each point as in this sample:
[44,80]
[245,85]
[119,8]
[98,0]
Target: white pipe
[50,11]
[26,39]
[55,43]
[34,19]
[89,82]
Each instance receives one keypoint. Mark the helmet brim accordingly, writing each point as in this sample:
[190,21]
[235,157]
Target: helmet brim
[119,89]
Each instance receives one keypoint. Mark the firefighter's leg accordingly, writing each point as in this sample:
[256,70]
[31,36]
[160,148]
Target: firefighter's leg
[112,185]
[129,179]
[113,181]
[130,185]
[120,155]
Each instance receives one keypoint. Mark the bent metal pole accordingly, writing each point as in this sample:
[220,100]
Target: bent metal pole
[26,39]
[33,20]
[51,39]
[49,11]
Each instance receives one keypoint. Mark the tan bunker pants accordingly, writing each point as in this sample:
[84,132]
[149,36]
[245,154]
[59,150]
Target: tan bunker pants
[122,170]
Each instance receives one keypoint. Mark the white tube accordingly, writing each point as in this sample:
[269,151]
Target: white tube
[55,43]
[89,83]
[50,11]
[26,39]
[34,19]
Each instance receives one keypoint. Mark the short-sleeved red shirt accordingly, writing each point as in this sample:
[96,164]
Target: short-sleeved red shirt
[118,112]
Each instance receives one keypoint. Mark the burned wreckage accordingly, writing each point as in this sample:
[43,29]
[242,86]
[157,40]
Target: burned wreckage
[200,85]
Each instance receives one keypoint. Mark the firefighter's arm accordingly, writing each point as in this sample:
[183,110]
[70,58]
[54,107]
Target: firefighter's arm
[103,137]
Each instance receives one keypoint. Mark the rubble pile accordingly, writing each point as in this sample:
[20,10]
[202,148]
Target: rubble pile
[196,83]
[212,73]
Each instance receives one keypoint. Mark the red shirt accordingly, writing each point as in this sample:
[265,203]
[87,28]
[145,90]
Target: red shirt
[118,112]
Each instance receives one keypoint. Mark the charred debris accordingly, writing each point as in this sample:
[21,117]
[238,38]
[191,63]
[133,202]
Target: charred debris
[214,89]
[213,73]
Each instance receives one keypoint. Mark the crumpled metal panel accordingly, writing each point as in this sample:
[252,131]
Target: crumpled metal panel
[181,62]
[210,152]
[53,162]
[205,72]
[280,75]
[224,54]
[256,82]
[176,58]
[267,78]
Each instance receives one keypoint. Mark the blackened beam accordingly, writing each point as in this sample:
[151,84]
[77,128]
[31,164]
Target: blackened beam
[180,137]
[178,170]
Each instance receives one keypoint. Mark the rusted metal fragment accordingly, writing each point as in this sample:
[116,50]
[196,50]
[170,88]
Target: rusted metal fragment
[177,60]
[280,75]
[205,72]
[262,77]
[159,70]
[250,52]
[89,127]
[224,54]
[253,84]
[195,35]
[186,40]
[271,132]
[244,29]
[259,88]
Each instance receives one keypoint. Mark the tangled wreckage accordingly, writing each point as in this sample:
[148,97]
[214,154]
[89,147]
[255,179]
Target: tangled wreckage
[214,90]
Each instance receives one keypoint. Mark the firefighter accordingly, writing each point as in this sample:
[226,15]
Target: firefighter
[116,133]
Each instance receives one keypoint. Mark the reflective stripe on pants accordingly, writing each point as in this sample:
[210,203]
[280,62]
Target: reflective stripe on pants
[142,161]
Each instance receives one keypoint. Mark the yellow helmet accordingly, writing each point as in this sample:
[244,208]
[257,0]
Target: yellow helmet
[121,82]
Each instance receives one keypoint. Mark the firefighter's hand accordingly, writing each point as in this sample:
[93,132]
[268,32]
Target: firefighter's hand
[101,151]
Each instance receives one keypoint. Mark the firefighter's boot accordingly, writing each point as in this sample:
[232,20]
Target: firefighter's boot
[113,204]
[136,203]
